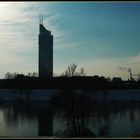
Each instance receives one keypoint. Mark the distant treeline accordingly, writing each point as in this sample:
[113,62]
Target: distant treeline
[70,79]
[62,82]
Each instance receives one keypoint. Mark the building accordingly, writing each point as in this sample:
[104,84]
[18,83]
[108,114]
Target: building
[45,52]
[117,79]
[45,122]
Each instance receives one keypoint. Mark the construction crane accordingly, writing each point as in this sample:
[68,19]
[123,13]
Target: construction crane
[130,72]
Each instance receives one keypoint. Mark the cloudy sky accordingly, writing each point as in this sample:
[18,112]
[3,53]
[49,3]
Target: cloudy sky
[99,36]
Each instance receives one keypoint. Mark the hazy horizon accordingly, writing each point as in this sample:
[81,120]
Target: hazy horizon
[98,36]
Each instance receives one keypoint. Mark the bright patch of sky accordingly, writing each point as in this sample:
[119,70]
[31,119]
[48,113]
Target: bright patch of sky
[99,36]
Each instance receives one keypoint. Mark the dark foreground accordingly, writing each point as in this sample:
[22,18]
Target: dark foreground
[38,119]
[70,113]
[68,83]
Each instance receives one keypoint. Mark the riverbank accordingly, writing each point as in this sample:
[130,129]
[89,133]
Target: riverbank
[67,83]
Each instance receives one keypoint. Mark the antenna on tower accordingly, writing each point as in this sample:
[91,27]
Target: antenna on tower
[40,19]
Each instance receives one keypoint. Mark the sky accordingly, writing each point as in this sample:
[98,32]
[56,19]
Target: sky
[101,37]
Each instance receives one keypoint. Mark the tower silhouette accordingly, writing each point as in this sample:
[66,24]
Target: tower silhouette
[45,51]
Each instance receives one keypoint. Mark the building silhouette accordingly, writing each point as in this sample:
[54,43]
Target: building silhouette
[45,52]
[45,122]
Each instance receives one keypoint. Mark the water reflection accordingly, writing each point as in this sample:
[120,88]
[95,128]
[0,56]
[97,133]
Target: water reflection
[15,111]
[99,117]
[132,115]
[109,119]
[104,115]
[16,116]
[76,107]
[77,114]
[45,122]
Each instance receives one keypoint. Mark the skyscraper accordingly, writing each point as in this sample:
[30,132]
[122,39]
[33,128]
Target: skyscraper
[45,52]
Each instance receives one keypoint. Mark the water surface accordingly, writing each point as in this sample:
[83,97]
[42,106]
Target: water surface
[41,119]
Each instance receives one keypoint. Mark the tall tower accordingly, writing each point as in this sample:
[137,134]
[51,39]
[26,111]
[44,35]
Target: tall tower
[45,52]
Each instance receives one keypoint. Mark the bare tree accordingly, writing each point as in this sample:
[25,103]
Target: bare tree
[71,71]
[9,75]
[77,108]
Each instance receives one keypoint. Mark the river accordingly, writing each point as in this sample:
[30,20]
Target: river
[40,118]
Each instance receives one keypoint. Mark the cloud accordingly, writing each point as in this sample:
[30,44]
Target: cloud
[22,21]
[135,59]
[19,26]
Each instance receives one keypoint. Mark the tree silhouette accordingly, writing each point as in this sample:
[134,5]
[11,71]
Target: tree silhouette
[77,109]
[9,75]
[32,74]
[82,72]
[71,71]
[15,75]
[76,105]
